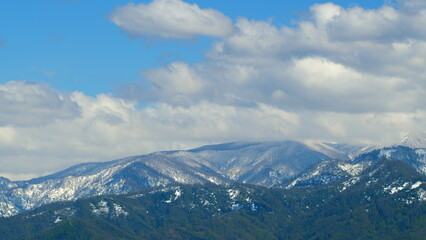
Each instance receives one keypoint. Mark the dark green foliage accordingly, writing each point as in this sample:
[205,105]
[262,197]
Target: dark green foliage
[364,210]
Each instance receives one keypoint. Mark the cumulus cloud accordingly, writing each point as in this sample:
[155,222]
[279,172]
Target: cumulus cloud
[346,74]
[340,74]
[368,40]
[171,19]
[109,127]
[338,60]
[28,103]
[411,5]
[176,82]
[309,83]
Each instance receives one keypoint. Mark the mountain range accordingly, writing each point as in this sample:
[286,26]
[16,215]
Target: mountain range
[286,164]
[387,200]
[263,190]
[266,164]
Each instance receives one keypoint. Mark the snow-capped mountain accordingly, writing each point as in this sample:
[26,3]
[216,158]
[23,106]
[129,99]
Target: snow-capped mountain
[385,201]
[287,164]
[414,140]
[266,164]
[414,157]
[327,172]
[341,151]
[334,170]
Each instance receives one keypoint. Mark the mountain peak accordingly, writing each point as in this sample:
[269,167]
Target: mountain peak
[340,151]
[414,140]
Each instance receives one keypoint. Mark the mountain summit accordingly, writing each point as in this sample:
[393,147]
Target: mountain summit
[414,140]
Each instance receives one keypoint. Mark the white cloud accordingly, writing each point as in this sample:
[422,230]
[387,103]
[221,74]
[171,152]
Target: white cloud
[348,74]
[171,19]
[176,82]
[338,60]
[109,128]
[341,74]
[27,103]
[355,37]
[412,5]
[310,83]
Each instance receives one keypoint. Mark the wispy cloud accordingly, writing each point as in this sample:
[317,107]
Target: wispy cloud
[49,74]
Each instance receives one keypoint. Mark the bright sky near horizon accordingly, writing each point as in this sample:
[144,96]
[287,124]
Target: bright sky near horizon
[95,80]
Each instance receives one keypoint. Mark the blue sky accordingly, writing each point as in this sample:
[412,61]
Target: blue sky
[73,46]
[96,80]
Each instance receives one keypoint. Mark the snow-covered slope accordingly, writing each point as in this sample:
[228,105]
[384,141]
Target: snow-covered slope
[327,172]
[334,170]
[266,164]
[259,163]
[121,176]
[415,157]
[340,151]
[388,197]
[414,140]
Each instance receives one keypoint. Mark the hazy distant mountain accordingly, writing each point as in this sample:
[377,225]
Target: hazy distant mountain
[414,140]
[387,200]
[340,151]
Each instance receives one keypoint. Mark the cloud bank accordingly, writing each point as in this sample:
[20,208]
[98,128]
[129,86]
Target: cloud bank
[339,74]
[338,60]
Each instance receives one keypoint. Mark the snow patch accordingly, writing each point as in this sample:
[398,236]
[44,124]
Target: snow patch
[387,153]
[348,183]
[233,193]
[352,169]
[178,193]
[118,210]
[392,189]
[7,209]
[422,195]
[101,208]
[235,206]
[58,220]
[416,185]
[136,196]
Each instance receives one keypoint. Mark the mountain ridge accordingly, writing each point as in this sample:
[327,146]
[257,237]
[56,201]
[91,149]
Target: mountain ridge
[286,164]
[386,201]
[414,140]
[262,163]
